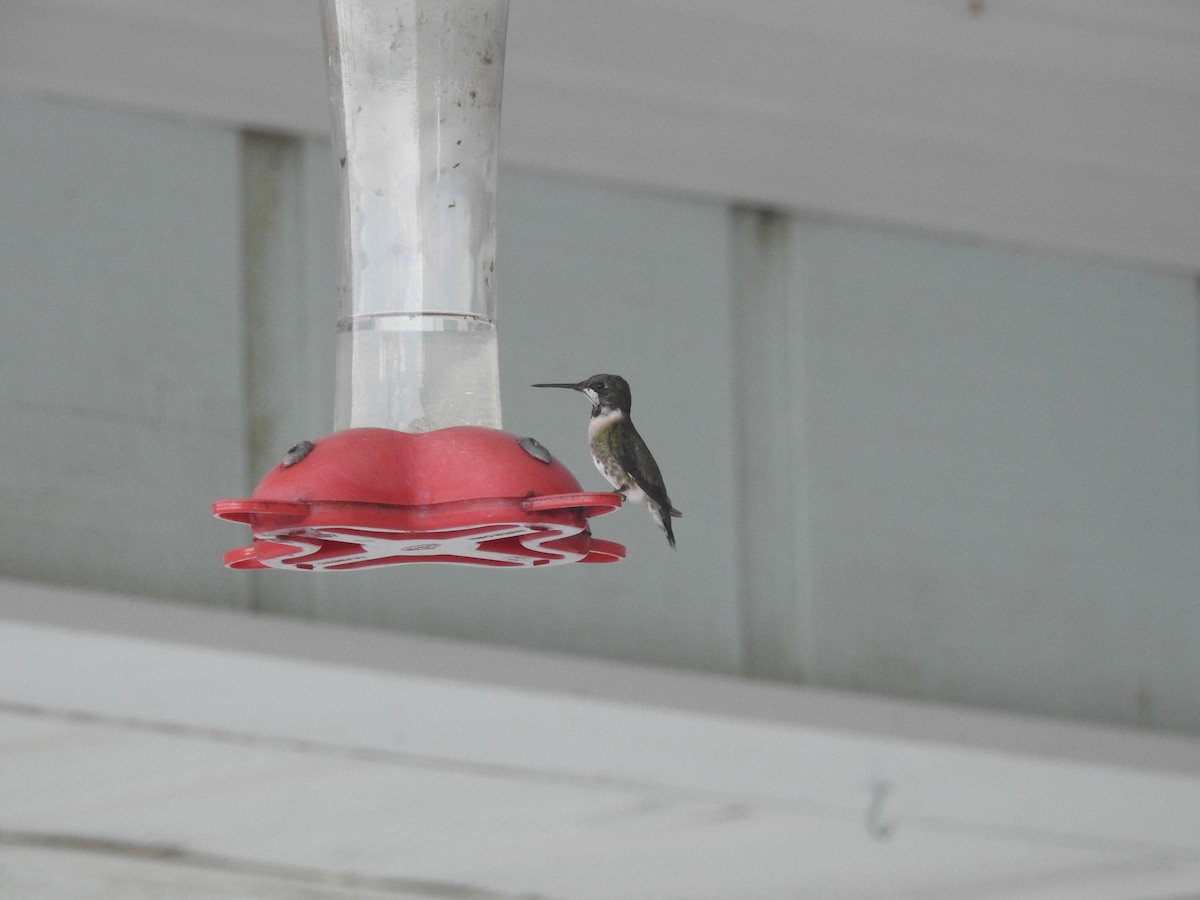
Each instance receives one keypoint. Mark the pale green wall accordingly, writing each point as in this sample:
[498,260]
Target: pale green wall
[120,375]
[951,472]
[1002,455]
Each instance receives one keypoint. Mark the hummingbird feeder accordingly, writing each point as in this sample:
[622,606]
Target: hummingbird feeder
[417,469]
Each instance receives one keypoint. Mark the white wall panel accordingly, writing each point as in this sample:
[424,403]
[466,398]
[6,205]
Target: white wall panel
[951,472]
[288,270]
[1003,495]
[121,371]
[205,752]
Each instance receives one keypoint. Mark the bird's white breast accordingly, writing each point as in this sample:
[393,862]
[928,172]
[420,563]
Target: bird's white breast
[599,422]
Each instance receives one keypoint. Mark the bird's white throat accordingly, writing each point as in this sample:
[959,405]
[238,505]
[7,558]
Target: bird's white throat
[602,420]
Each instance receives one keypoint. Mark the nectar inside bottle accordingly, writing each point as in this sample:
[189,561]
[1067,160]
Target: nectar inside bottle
[418,371]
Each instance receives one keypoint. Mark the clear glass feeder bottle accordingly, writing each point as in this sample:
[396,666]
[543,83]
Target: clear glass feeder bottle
[416,90]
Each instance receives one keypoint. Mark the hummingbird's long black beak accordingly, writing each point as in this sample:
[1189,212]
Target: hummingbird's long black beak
[574,387]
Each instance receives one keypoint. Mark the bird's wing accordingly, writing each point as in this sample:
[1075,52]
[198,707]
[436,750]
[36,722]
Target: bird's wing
[635,458]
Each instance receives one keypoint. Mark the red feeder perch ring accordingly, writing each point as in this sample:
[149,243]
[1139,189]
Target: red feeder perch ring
[466,495]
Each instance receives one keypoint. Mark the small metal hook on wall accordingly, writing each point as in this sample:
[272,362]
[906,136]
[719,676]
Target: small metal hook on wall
[878,825]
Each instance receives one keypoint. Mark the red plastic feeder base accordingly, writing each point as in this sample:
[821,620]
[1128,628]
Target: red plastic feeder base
[374,497]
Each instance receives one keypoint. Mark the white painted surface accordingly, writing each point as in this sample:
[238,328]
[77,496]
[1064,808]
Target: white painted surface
[998,454]
[1062,125]
[288,271]
[771,416]
[121,371]
[214,743]
[31,871]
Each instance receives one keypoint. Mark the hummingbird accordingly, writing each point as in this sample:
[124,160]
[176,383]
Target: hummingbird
[619,451]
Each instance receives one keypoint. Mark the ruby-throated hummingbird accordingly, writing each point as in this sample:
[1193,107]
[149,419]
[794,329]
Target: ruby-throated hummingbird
[619,451]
